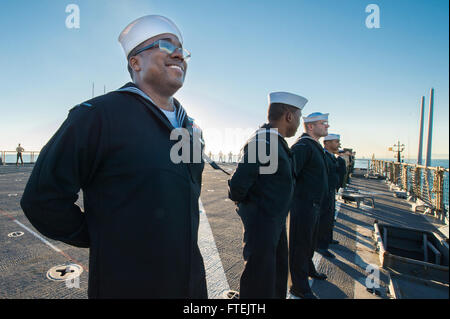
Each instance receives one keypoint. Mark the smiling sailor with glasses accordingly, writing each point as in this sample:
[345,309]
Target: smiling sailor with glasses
[141,213]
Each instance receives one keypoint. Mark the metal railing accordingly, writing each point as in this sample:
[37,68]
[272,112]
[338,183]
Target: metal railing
[424,183]
[10,157]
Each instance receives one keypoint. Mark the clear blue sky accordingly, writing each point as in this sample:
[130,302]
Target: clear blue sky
[369,80]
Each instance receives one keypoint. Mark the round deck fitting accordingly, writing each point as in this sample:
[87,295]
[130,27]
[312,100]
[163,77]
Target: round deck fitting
[64,272]
[16,234]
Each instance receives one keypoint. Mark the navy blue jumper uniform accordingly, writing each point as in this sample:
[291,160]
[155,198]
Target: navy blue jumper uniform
[328,207]
[263,205]
[310,188]
[341,170]
[141,210]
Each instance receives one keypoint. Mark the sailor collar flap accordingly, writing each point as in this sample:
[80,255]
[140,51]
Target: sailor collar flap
[262,134]
[305,136]
[330,155]
[285,145]
[184,120]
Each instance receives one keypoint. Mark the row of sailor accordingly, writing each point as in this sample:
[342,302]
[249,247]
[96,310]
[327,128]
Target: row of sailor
[303,187]
[142,217]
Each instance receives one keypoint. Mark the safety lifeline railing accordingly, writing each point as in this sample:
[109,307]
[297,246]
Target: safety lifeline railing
[10,157]
[423,183]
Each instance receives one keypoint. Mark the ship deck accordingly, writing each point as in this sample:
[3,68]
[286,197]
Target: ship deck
[26,259]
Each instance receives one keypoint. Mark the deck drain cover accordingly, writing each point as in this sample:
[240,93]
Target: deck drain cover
[64,272]
[16,234]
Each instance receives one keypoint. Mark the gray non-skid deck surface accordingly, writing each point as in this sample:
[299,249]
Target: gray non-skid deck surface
[354,228]
[392,210]
[25,260]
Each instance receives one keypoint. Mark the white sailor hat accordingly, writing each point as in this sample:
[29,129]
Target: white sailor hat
[287,98]
[331,137]
[316,116]
[145,28]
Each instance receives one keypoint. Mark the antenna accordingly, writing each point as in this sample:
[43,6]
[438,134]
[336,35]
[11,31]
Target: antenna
[422,109]
[398,148]
[430,128]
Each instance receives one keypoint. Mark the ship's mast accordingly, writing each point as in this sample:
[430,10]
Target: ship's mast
[398,148]
[422,108]
[430,128]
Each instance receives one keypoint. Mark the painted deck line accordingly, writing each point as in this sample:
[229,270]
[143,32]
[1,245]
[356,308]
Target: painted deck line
[42,239]
[45,241]
[216,279]
[367,260]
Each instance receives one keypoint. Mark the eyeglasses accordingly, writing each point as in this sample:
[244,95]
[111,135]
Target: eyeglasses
[165,46]
[324,123]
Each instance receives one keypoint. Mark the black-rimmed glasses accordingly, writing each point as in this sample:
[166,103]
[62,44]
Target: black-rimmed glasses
[165,46]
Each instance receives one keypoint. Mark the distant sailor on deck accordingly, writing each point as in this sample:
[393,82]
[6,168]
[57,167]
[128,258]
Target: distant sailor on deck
[342,169]
[331,144]
[19,150]
[311,187]
[346,156]
[141,210]
[263,194]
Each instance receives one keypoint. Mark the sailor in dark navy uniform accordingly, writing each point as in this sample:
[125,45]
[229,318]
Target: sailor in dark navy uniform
[331,145]
[141,210]
[342,169]
[311,187]
[263,191]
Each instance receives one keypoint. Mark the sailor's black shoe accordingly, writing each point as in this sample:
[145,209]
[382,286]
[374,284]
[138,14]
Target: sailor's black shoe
[318,276]
[302,295]
[307,295]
